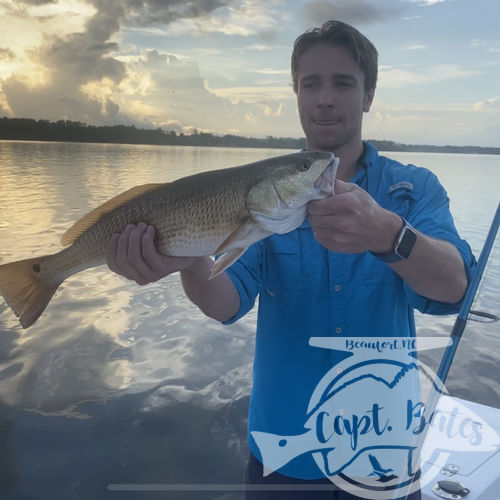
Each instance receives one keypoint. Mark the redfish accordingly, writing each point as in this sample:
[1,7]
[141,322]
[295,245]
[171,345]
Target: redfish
[217,212]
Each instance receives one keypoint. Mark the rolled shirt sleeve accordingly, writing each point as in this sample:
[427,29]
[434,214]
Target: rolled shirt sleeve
[430,214]
[245,274]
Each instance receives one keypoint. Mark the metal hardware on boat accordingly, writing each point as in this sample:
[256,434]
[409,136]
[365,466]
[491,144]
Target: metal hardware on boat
[449,470]
[450,490]
[488,317]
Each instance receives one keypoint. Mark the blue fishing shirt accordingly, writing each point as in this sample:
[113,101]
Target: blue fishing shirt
[308,291]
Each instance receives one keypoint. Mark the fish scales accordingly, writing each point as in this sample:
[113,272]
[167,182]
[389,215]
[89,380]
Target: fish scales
[183,213]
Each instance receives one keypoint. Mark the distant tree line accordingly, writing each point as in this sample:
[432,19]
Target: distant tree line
[384,145]
[65,130]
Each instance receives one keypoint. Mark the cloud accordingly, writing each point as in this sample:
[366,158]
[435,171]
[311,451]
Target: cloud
[394,77]
[492,47]
[68,63]
[174,91]
[4,111]
[79,76]
[261,47]
[357,12]
[271,71]
[170,92]
[38,2]
[236,18]
[157,12]
[432,124]
[491,104]
[6,53]
[350,11]
[427,3]
[257,95]
[415,46]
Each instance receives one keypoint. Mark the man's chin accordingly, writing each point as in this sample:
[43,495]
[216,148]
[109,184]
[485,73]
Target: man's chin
[331,143]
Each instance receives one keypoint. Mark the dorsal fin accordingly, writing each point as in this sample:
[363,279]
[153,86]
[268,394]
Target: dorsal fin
[79,227]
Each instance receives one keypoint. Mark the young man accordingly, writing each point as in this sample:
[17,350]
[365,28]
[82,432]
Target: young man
[383,245]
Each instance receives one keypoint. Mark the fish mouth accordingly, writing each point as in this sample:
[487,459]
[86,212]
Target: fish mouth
[324,183]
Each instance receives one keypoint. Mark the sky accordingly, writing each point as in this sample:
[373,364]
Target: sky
[223,66]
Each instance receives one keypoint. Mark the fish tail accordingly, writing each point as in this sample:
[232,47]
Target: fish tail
[26,289]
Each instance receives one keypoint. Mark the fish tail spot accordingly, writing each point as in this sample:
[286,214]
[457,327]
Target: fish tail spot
[24,290]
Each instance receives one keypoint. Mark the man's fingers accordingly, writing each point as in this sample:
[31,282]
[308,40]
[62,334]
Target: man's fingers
[128,261]
[111,252]
[150,254]
[341,187]
[136,258]
[321,207]
[121,255]
[322,222]
[344,200]
[133,254]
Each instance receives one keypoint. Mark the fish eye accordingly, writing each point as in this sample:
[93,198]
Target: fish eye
[304,165]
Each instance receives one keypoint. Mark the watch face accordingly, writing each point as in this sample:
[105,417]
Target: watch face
[406,243]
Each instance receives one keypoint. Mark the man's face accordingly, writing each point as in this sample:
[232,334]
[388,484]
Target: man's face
[331,98]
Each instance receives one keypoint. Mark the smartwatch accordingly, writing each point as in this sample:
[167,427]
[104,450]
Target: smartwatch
[403,245]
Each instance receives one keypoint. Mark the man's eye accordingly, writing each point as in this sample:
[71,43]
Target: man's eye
[344,84]
[310,85]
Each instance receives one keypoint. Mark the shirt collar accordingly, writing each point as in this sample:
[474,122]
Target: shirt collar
[367,160]
[370,154]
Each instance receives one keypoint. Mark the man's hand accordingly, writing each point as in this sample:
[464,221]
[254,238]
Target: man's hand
[351,221]
[133,254]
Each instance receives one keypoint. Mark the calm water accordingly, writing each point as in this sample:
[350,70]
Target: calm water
[124,384]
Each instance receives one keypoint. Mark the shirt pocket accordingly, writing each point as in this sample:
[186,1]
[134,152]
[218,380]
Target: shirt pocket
[374,272]
[287,262]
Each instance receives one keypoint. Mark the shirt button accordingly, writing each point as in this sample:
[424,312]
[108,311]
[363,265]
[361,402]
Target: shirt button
[338,330]
[337,288]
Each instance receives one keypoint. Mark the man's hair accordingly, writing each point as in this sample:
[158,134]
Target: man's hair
[338,33]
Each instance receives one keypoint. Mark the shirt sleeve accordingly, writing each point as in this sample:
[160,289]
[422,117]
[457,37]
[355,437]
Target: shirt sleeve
[431,215]
[245,274]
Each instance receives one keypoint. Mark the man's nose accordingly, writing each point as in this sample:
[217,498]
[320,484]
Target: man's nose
[326,97]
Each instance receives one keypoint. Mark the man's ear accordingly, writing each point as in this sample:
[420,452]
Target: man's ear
[368,99]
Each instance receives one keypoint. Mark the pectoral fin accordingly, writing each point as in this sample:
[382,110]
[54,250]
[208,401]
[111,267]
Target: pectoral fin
[235,244]
[225,260]
[242,237]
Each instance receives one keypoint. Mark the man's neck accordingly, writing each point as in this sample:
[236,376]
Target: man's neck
[348,165]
